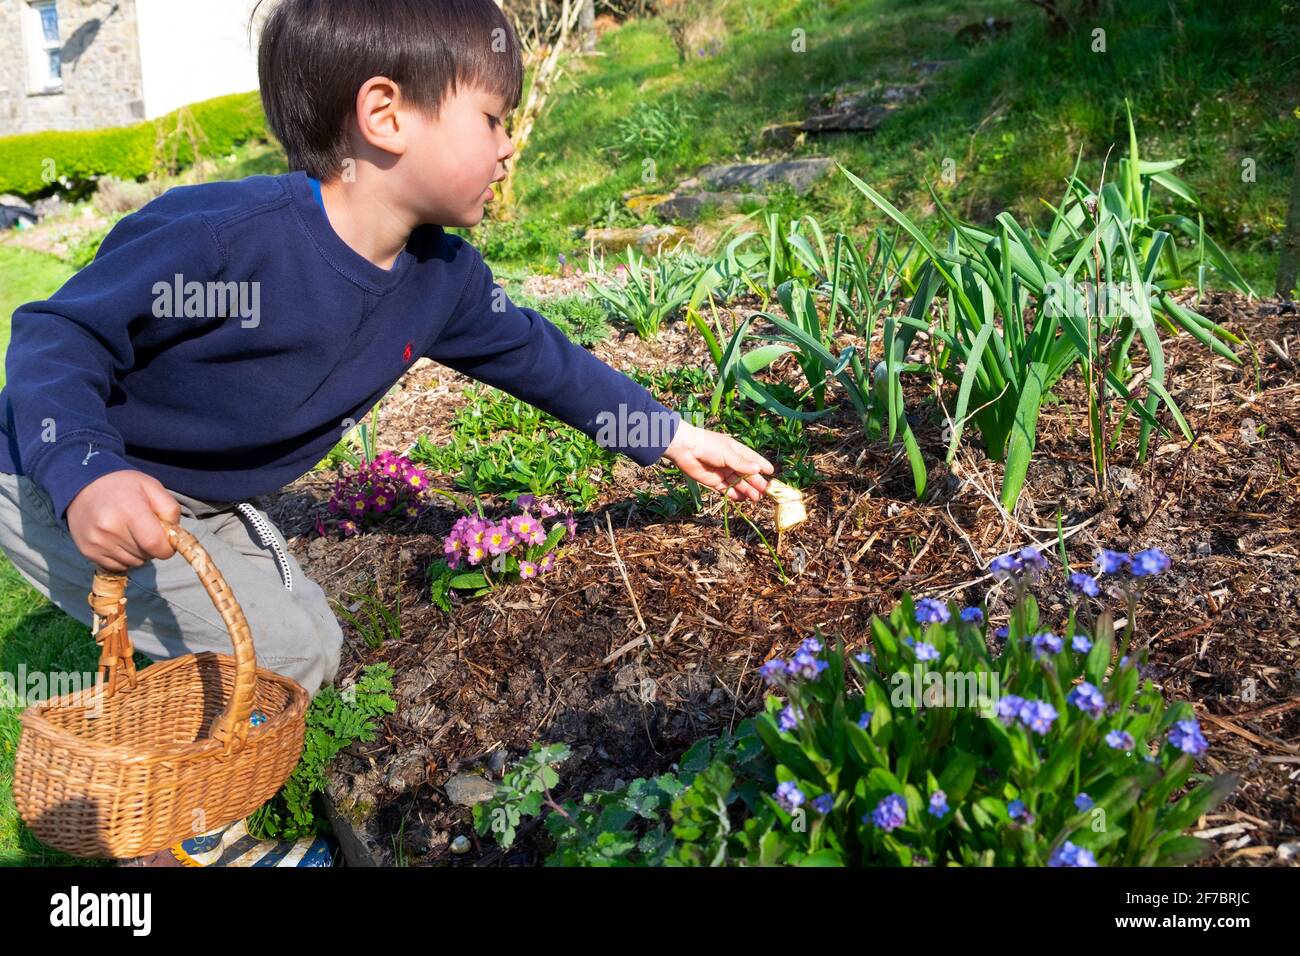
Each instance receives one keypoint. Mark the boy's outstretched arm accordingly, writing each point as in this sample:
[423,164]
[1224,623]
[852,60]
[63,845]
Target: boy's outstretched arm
[489,338]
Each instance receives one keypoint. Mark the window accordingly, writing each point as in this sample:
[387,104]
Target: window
[44,47]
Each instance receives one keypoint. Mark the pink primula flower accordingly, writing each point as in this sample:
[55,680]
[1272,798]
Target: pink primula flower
[499,539]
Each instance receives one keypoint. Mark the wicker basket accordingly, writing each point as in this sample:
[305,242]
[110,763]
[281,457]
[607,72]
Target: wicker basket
[113,771]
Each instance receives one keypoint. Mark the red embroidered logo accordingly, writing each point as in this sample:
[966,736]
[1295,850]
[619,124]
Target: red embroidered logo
[406,353]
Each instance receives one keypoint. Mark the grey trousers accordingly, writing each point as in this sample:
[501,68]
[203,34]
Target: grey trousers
[168,612]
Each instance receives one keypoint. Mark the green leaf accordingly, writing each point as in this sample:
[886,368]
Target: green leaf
[1020,447]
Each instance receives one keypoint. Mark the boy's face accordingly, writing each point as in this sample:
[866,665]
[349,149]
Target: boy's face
[458,156]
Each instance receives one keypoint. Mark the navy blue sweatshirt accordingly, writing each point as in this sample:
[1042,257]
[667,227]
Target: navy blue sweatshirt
[225,337]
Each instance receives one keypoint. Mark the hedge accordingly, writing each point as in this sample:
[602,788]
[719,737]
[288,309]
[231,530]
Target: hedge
[130,152]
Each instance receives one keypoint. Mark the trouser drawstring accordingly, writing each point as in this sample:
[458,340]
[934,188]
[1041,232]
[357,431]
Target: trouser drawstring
[267,538]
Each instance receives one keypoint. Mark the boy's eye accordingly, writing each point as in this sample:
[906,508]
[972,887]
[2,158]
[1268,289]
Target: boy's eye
[493,121]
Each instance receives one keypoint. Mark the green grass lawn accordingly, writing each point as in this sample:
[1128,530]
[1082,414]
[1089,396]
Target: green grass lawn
[24,277]
[1010,116]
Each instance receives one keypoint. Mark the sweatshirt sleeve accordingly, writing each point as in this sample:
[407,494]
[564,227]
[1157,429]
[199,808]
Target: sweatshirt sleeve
[517,350]
[66,352]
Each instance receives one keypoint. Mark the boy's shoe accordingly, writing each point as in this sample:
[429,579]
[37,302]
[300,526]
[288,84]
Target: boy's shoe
[232,845]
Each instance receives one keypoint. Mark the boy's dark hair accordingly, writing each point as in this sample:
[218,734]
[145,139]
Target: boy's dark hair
[313,56]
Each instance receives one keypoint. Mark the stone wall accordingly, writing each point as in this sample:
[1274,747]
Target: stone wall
[101,69]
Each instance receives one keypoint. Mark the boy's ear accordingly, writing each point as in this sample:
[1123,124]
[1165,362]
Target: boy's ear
[377,114]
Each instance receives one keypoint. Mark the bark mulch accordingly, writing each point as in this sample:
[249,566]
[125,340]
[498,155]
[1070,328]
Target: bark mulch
[649,634]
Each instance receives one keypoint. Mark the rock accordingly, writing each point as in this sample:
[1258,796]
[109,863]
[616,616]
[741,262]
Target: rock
[782,134]
[1248,427]
[408,770]
[648,239]
[689,206]
[798,174]
[643,203]
[460,845]
[350,818]
[726,554]
[467,789]
[1204,548]
[496,763]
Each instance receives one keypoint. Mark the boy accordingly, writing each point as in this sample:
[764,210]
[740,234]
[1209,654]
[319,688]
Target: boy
[140,390]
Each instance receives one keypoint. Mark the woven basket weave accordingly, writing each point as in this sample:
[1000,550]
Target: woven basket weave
[124,771]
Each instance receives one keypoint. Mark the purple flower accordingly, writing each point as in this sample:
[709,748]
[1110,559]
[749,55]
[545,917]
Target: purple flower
[1186,736]
[527,569]
[1083,801]
[925,651]
[1088,699]
[1149,562]
[1001,633]
[547,562]
[1006,566]
[525,501]
[571,525]
[1016,809]
[1009,706]
[811,645]
[1120,740]
[806,666]
[1033,560]
[972,615]
[930,611]
[452,545]
[1084,584]
[789,796]
[938,803]
[1070,855]
[864,721]
[1081,643]
[864,658]
[1111,562]
[823,803]
[772,671]
[890,813]
[499,539]
[1038,715]
[1046,643]
[789,718]
[528,528]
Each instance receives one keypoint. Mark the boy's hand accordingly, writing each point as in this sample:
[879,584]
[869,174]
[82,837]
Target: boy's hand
[718,460]
[114,520]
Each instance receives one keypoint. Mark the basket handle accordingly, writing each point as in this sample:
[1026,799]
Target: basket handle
[108,602]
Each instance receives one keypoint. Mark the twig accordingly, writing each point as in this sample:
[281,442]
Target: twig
[623,570]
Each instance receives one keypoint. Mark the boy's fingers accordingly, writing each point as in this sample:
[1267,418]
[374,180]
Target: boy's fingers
[150,539]
[115,558]
[164,505]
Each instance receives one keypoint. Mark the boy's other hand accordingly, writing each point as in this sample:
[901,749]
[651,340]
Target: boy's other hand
[718,460]
[114,520]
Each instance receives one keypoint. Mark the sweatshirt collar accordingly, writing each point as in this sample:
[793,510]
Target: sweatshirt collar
[331,245]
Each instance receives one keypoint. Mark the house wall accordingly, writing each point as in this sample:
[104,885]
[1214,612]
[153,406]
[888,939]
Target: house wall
[193,50]
[101,71]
